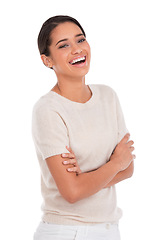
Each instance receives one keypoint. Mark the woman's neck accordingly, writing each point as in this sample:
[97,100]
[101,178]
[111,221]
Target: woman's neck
[76,91]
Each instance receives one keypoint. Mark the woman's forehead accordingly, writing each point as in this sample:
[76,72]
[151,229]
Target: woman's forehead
[65,31]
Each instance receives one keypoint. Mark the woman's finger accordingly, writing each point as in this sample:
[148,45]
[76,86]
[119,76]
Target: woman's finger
[132,149]
[125,139]
[133,156]
[130,143]
[69,149]
[73,169]
[70,161]
[68,155]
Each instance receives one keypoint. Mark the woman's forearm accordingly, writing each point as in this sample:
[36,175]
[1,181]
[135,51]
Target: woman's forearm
[87,184]
[127,173]
[75,187]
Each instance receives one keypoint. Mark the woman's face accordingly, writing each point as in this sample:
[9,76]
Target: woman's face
[69,51]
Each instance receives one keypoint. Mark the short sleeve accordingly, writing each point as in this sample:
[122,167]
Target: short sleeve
[49,132]
[122,129]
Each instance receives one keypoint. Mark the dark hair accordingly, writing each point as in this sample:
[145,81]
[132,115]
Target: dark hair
[44,40]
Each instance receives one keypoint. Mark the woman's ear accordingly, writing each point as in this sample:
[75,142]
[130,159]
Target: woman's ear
[47,61]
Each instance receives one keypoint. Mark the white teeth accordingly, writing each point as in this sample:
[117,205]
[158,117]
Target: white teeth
[78,60]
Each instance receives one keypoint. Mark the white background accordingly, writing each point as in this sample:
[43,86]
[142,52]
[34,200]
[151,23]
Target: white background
[125,41]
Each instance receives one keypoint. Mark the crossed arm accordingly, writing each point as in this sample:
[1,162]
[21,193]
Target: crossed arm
[120,176]
[75,186]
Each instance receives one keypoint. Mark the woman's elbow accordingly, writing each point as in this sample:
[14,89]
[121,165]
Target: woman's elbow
[71,200]
[71,196]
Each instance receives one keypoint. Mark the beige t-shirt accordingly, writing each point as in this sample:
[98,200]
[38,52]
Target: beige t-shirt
[92,130]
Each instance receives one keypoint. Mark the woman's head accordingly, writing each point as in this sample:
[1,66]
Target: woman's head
[44,37]
[63,46]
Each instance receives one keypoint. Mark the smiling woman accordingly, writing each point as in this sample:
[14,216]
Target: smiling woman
[69,53]
[78,188]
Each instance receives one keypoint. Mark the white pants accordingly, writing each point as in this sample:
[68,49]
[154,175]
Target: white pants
[48,231]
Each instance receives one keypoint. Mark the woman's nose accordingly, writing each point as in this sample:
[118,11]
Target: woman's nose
[76,49]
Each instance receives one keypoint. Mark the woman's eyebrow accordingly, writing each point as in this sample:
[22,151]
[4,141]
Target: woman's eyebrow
[65,39]
[81,34]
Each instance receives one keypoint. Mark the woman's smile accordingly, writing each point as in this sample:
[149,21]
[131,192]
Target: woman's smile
[79,61]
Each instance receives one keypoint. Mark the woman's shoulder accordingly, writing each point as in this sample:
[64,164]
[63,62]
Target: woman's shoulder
[45,103]
[103,89]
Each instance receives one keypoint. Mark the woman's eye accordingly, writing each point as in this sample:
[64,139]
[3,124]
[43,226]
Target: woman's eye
[63,46]
[82,40]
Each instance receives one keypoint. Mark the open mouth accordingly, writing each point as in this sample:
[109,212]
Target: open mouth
[78,61]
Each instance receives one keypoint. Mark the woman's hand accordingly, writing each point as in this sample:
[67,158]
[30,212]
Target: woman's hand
[71,160]
[122,155]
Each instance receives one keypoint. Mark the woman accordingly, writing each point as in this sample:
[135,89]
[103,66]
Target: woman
[75,129]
